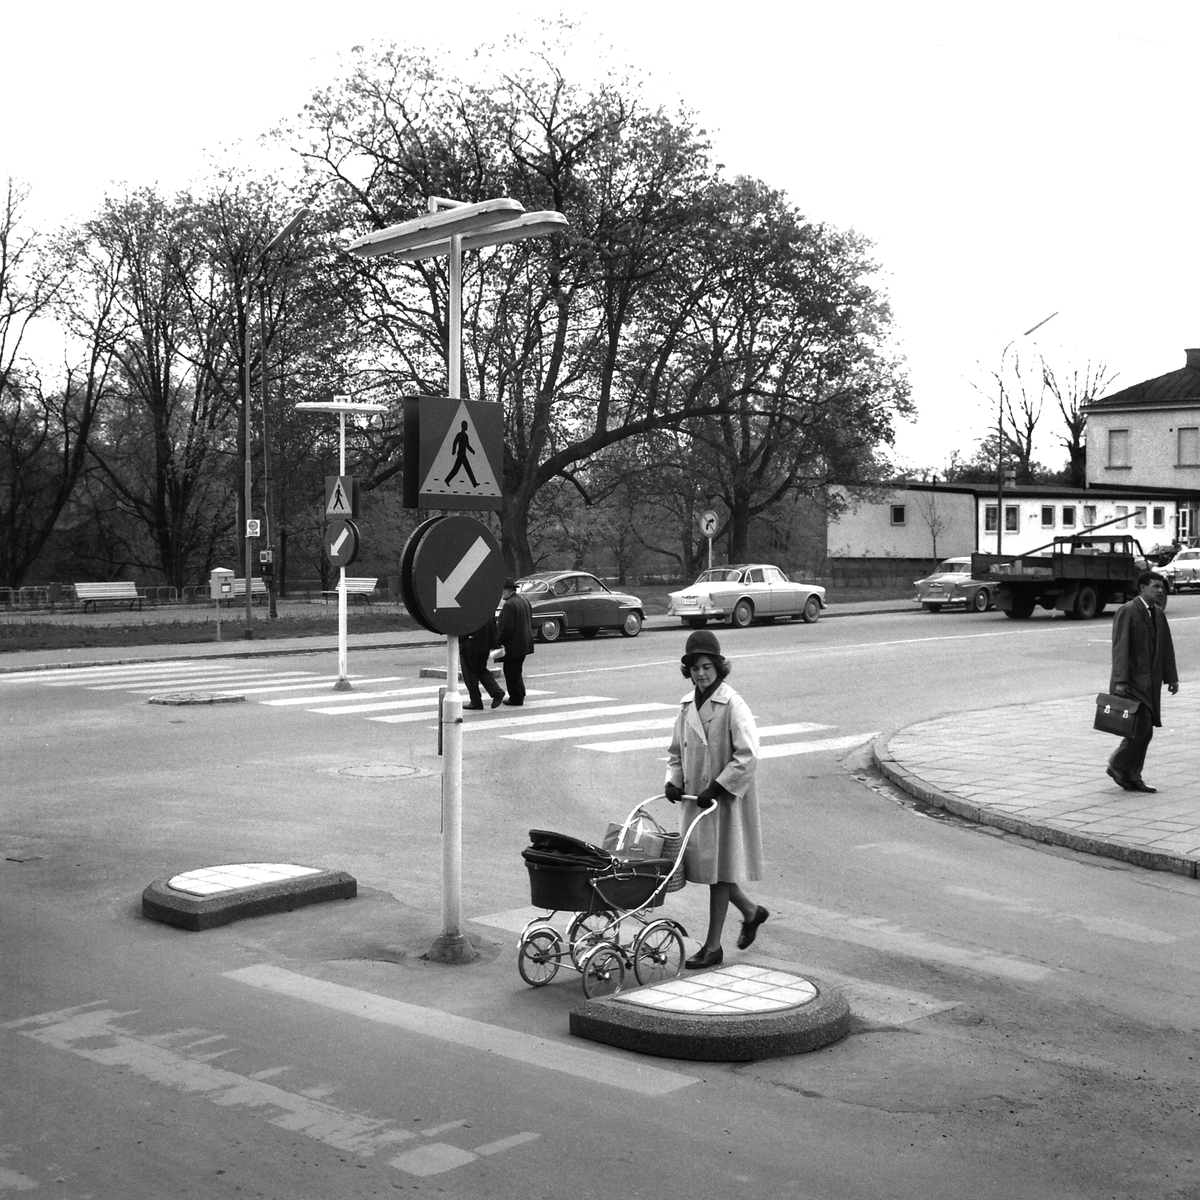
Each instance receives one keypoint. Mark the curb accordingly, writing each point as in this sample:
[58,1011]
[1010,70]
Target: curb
[1046,834]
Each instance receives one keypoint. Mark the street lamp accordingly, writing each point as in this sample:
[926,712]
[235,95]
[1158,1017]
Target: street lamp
[1000,433]
[341,405]
[450,227]
[252,273]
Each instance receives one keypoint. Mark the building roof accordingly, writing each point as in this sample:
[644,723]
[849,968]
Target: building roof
[1180,387]
[1047,491]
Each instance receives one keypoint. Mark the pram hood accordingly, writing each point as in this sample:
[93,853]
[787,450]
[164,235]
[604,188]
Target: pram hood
[562,850]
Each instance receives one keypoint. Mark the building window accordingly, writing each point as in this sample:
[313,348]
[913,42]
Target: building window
[1068,520]
[1012,518]
[989,519]
[897,514]
[1189,447]
[1118,447]
[1158,515]
[1139,517]
[1047,516]
[1089,515]
[1123,513]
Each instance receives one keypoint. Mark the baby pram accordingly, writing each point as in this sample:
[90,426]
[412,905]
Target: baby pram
[604,891]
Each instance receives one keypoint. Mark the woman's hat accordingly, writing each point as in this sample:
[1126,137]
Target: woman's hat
[702,642]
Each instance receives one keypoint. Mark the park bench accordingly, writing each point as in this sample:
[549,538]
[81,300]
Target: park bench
[364,588]
[116,593]
[258,588]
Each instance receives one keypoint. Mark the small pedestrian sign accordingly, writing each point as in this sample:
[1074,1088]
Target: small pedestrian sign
[341,496]
[454,454]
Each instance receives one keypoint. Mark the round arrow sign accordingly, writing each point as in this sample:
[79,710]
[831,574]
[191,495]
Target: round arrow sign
[456,574]
[708,523]
[341,542]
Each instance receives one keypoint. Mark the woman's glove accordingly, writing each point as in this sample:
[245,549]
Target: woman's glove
[710,795]
[672,793]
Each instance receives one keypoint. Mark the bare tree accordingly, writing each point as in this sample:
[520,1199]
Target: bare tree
[926,503]
[1073,390]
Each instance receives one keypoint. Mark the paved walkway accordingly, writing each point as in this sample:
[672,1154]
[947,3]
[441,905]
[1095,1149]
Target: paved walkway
[1038,770]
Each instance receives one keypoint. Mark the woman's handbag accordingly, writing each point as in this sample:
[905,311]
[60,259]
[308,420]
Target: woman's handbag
[1116,714]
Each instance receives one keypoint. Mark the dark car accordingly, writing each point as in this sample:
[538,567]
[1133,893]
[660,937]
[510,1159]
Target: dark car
[574,601]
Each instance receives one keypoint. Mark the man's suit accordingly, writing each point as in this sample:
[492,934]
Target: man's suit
[1143,659]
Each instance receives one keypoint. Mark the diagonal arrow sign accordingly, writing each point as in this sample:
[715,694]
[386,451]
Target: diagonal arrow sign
[449,588]
[334,547]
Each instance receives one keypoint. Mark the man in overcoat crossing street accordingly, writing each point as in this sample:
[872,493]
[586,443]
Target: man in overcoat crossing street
[516,636]
[1143,659]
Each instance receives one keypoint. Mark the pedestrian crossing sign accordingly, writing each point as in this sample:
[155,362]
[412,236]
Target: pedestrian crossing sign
[341,496]
[453,454]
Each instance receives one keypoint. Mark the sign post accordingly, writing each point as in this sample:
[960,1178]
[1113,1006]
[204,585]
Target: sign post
[450,227]
[708,526]
[345,491]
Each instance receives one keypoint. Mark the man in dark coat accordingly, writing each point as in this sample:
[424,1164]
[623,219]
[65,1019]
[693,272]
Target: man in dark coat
[1143,659]
[473,651]
[516,636]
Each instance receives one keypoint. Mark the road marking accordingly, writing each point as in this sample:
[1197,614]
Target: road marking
[545,718]
[557,735]
[787,749]
[424,690]
[594,1066]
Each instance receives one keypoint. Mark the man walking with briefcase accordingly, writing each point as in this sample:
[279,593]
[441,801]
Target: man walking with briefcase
[1143,659]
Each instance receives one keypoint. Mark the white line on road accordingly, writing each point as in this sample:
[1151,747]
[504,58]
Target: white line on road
[425,690]
[559,735]
[544,718]
[788,749]
[614,1070]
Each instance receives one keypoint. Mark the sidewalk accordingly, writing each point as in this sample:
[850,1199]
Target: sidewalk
[1037,770]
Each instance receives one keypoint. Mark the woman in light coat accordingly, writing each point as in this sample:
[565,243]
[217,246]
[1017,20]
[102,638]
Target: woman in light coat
[714,756]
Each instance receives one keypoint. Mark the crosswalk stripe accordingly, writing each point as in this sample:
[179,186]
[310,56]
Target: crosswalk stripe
[786,749]
[209,681]
[339,710]
[306,685]
[131,677]
[557,735]
[88,672]
[425,690]
[546,718]
[627,744]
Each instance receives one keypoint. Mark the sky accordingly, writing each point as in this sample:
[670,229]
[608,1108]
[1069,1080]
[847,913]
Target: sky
[1008,161]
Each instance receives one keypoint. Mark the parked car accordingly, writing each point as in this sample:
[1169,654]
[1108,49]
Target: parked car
[951,583]
[743,593]
[574,601]
[1183,571]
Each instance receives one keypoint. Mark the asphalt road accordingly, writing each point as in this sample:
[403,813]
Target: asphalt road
[1026,1017]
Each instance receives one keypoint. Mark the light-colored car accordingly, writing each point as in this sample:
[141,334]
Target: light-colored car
[575,601]
[1183,571]
[743,593]
[950,584]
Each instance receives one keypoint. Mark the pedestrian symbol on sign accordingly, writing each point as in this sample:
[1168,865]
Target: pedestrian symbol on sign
[341,496]
[457,469]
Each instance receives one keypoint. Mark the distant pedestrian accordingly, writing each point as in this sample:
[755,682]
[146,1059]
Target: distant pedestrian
[1143,659]
[714,757]
[473,651]
[516,636]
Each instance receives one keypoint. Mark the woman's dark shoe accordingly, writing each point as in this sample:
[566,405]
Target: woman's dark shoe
[750,928]
[705,958]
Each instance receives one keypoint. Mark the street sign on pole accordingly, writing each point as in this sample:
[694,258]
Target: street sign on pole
[453,454]
[708,523]
[341,542]
[253,529]
[453,575]
[341,496]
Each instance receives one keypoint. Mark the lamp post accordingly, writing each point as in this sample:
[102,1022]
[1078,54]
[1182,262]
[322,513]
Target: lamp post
[1000,433]
[254,272]
[450,227]
[341,405]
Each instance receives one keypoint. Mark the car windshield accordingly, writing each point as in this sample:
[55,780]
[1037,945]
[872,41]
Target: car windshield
[954,566]
[720,575]
[532,585]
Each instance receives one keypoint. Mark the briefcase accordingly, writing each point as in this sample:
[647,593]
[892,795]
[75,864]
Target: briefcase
[1116,714]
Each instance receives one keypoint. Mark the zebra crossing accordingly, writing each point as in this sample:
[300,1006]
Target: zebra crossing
[594,723]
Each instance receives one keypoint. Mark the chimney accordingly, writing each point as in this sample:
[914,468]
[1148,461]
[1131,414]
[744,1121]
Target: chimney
[1193,359]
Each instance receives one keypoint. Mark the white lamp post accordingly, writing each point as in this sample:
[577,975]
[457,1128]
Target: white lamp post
[341,405]
[450,227]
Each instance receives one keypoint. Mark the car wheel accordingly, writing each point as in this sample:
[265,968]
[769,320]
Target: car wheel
[549,629]
[743,614]
[632,625]
[590,631]
[981,601]
[932,607]
[812,611]
[1086,603]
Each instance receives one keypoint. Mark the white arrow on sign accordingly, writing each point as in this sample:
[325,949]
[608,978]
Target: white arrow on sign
[448,588]
[334,547]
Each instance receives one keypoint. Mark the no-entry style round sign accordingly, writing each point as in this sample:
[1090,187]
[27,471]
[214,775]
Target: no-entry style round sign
[452,574]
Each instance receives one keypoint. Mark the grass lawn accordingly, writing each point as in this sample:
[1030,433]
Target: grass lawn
[177,625]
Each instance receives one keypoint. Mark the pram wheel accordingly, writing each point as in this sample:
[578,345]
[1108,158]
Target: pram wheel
[603,969]
[586,930]
[658,952]
[538,955]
